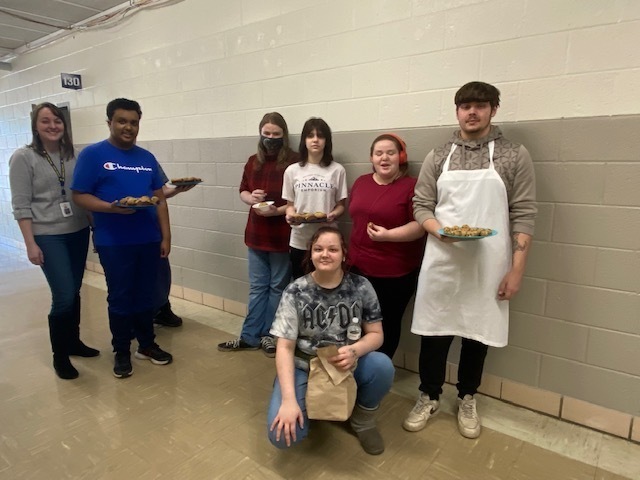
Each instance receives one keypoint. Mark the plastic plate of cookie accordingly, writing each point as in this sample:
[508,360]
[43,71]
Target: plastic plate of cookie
[142,202]
[486,233]
[317,217]
[183,182]
[138,206]
[263,206]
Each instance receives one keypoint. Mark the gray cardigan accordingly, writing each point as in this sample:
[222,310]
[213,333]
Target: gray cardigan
[36,193]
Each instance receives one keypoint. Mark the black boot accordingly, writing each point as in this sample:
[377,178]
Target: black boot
[81,350]
[166,317]
[76,346]
[63,367]
[58,332]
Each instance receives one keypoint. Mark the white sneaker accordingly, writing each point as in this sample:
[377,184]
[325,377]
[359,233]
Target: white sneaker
[468,419]
[419,415]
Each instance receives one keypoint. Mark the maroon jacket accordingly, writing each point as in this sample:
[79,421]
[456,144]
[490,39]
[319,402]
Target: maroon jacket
[270,234]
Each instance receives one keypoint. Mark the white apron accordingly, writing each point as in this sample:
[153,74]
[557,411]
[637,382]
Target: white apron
[458,285]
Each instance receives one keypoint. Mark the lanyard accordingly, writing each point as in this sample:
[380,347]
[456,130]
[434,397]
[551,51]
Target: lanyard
[59,173]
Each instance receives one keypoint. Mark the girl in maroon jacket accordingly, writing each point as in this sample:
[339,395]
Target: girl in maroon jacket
[266,235]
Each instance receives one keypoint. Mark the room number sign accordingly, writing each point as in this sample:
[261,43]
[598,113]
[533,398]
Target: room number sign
[71,80]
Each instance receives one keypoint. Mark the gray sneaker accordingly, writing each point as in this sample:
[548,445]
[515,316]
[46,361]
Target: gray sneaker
[420,414]
[268,346]
[468,419]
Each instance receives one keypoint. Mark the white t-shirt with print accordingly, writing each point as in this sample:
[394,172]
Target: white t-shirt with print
[312,189]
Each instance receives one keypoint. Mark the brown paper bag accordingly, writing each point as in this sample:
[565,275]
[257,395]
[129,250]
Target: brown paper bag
[331,393]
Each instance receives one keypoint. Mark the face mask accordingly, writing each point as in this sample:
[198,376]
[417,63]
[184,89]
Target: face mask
[271,144]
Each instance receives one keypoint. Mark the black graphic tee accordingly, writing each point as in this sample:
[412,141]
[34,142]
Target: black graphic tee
[317,317]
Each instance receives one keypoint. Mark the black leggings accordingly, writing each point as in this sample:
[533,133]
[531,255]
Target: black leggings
[394,295]
[297,259]
[433,365]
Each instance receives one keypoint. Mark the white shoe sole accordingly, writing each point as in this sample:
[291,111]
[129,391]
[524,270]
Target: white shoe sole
[142,356]
[469,433]
[416,428]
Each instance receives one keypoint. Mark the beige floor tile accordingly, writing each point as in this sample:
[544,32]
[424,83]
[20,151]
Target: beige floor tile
[604,475]
[262,473]
[204,416]
[210,464]
[492,456]
[538,463]
[619,456]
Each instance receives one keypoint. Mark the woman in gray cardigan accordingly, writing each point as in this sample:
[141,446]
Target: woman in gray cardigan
[55,230]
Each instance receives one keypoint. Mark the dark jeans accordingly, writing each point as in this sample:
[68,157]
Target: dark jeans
[131,272]
[433,365]
[164,283]
[394,295]
[65,257]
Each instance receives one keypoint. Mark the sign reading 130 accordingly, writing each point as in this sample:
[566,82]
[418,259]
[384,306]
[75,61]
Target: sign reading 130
[71,80]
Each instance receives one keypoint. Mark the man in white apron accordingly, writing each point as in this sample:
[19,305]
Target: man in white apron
[481,179]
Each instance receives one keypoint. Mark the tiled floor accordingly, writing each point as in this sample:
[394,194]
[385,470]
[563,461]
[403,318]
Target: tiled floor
[203,416]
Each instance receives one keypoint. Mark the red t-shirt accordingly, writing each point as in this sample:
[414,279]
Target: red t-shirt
[389,206]
[270,234]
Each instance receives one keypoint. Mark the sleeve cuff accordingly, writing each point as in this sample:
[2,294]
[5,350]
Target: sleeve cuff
[522,228]
[22,213]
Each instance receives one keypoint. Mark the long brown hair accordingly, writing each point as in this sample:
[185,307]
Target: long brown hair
[275,119]
[67,151]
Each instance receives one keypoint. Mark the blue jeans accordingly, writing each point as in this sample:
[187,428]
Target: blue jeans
[131,272]
[373,375]
[269,273]
[65,257]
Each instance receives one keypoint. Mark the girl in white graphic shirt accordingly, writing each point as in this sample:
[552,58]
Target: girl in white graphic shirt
[315,185]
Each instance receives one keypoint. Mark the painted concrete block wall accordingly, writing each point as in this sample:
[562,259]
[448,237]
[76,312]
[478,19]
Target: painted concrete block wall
[205,71]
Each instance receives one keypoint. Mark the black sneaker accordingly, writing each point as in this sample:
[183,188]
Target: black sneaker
[122,367]
[155,354]
[237,345]
[166,317]
[268,346]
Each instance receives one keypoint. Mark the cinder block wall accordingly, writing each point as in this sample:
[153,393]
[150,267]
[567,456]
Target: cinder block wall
[205,71]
